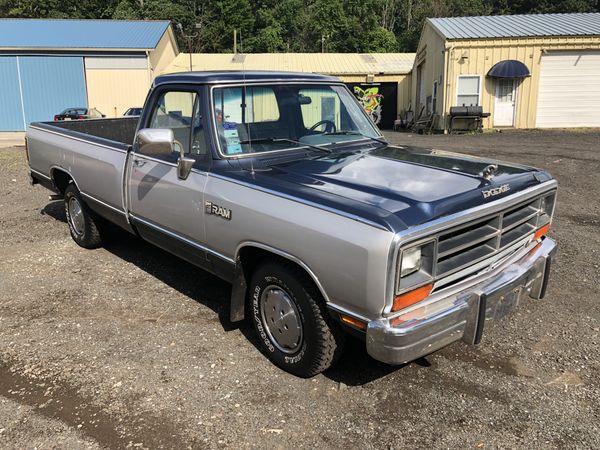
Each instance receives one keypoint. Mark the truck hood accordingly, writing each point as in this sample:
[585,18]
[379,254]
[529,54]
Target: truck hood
[399,187]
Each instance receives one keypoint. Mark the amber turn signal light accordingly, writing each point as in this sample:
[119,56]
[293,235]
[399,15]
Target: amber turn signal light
[541,232]
[354,322]
[411,297]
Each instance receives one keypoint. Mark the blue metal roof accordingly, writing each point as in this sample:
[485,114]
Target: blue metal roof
[521,25]
[80,34]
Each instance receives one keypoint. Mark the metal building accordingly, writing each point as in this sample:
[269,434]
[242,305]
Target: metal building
[49,65]
[380,80]
[526,71]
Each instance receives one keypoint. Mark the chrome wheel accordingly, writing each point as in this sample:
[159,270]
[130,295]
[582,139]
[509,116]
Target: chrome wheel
[281,319]
[76,216]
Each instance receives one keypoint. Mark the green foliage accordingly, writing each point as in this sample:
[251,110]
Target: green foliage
[290,25]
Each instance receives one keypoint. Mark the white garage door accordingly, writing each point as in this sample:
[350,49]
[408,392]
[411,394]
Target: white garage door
[569,94]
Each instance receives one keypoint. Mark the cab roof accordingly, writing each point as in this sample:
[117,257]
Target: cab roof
[239,76]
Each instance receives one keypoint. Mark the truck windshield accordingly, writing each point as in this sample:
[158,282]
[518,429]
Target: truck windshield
[271,117]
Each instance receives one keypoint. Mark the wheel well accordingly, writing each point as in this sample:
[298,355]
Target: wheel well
[250,257]
[61,179]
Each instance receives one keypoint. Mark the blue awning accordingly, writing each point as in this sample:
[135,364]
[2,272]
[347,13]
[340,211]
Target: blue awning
[509,68]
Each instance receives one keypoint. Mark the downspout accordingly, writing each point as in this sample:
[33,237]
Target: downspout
[446,100]
[149,68]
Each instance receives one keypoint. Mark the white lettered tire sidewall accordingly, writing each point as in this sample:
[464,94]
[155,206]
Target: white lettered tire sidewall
[321,339]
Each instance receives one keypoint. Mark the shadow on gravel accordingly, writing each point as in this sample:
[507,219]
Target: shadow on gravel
[180,275]
[56,210]
[355,367]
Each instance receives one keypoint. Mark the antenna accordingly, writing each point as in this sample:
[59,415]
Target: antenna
[245,104]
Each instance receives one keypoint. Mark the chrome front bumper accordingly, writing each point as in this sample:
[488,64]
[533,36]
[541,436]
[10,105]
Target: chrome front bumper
[462,311]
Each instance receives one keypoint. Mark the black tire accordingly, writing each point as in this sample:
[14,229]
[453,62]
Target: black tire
[321,341]
[89,234]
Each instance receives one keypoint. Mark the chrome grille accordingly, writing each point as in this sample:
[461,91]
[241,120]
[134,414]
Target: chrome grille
[451,254]
[468,244]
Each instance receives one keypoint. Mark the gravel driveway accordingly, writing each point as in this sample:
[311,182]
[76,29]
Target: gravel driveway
[127,346]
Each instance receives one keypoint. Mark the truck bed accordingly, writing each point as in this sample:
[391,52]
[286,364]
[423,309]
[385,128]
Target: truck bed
[92,152]
[121,130]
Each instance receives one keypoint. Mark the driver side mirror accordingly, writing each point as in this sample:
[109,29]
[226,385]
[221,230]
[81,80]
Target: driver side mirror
[155,141]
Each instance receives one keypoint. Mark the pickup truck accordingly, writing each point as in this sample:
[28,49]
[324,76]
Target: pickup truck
[280,184]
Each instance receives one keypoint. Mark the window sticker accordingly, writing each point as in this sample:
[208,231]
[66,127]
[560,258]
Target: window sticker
[232,138]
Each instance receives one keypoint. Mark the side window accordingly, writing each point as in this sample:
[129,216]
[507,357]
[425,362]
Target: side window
[468,90]
[174,110]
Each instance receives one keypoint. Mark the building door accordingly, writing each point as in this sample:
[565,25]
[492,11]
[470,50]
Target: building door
[504,107]
[569,92]
[50,84]
[11,106]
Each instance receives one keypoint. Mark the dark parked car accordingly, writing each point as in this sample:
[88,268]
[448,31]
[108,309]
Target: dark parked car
[79,114]
[137,111]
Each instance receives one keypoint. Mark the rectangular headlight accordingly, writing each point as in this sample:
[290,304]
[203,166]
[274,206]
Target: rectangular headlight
[547,203]
[411,261]
[415,266]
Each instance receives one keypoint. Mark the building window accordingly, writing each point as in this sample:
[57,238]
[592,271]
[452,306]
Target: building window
[434,97]
[468,90]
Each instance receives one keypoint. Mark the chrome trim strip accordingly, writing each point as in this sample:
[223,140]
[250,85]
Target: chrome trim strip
[182,239]
[40,174]
[265,83]
[162,161]
[80,139]
[120,211]
[286,256]
[436,226]
[302,201]
[150,158]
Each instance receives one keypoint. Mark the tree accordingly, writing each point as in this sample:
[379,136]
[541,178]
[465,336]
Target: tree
[291,25]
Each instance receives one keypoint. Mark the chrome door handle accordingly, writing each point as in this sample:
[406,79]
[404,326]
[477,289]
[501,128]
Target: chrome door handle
[138,162]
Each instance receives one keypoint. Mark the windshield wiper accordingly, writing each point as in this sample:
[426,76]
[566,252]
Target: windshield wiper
[276,140]
[355,133]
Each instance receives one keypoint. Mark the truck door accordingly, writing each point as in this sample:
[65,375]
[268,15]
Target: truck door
[166,210]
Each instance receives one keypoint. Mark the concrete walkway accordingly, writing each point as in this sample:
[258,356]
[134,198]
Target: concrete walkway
[12,138]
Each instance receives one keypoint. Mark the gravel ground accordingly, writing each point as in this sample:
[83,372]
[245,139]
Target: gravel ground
[127,346]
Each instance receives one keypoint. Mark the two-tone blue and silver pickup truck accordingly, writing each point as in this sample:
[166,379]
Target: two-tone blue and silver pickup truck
[280,184]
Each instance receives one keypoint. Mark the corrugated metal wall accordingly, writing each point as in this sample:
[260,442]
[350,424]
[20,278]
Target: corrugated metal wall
[11,111]
[477,56]
[116,84]
[51,84]
[34,88]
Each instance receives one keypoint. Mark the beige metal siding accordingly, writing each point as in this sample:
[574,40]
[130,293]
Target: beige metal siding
[378,64]
[348,67]
[478,57]
[164,54]
[113,89]
[430,53]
